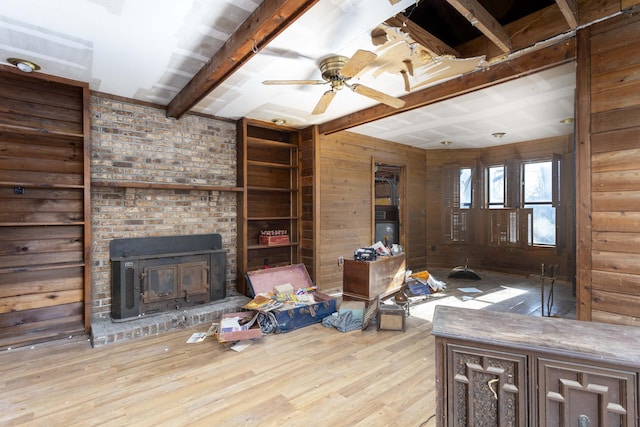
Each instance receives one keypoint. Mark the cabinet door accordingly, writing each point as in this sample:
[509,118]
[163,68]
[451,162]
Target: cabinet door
[574,394]
[485,387]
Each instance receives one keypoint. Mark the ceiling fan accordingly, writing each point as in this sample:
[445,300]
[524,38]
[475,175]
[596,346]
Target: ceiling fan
[336,71]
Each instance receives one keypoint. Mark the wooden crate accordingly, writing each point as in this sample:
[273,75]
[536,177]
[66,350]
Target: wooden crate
[274,240]
[372,279]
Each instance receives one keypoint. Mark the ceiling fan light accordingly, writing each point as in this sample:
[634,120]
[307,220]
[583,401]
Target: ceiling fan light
[498,135]
[24,65]
[446,143]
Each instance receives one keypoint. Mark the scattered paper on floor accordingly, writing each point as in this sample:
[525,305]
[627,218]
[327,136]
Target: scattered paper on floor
[241,345]
[196,337]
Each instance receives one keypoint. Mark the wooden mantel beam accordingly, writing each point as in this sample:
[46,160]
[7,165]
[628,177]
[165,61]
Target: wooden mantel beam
[480,18]
[262,26]
[569,9]
[522,65]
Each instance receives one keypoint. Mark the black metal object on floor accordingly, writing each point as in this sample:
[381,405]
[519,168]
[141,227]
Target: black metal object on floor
[463,272]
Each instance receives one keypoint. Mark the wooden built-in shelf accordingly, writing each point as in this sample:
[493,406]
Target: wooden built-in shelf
[38,185]
[41,267]
[271,218]
[273,189]
[282,245]
[269,143]
[163,186]
[271,164]
[27,130]
[38,224]
[268,170]
[45,218]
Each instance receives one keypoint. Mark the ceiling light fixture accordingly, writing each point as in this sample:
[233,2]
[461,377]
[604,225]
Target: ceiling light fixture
[445,143]
[279,122]
[498,135]
[24,65]
[567,121]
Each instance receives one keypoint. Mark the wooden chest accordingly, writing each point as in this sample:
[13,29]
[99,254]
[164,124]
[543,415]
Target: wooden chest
[285,320]
[369,280]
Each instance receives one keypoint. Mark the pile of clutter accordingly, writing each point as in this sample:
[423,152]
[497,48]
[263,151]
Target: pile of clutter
[423,283]
[283,297]
[377,249]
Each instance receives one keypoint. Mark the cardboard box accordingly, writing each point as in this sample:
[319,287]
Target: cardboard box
[251,331]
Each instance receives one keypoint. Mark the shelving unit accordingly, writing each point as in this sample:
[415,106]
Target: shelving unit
[45,217]
[268,172]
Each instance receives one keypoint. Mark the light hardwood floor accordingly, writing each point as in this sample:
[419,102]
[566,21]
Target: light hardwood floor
[312,376]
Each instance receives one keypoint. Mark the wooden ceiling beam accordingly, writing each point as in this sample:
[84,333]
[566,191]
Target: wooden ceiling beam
[428,41]
[262,26]
[569,9]
[522,65]
[480,18]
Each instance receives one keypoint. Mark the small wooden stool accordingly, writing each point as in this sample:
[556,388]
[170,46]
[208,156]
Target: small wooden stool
[391,318]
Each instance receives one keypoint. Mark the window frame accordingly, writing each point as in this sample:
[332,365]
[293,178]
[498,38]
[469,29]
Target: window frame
[518,215]
[552,202]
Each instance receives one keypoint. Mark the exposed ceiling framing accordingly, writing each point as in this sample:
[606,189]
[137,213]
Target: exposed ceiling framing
[212,57]
[264,24]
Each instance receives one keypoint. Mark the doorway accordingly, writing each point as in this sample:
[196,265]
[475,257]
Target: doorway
[388,184]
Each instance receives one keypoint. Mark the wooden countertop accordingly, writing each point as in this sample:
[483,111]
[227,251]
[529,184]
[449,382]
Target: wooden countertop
[602,342]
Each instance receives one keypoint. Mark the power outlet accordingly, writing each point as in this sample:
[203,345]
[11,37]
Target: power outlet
[340,260]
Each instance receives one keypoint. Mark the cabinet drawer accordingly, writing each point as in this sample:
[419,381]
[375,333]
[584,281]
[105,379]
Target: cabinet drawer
[571,393]
[485,387]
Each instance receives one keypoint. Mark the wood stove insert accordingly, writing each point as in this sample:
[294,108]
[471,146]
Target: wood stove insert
[157,274]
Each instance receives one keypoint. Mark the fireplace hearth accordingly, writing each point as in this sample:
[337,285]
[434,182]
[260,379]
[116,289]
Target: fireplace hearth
[152,275]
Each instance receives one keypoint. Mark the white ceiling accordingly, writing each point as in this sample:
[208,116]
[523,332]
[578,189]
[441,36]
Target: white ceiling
[149,50]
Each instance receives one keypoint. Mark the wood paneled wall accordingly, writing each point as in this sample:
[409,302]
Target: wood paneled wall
[345,208]
[608,192]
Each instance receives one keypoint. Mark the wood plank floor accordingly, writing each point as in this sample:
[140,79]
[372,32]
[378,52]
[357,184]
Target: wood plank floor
[312,376]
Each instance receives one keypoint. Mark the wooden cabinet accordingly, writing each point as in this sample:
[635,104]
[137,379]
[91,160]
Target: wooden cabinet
[511,370]
[45,223]
[368,280]
[268,169]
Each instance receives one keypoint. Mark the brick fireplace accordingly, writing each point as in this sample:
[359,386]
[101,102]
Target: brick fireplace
[155,176]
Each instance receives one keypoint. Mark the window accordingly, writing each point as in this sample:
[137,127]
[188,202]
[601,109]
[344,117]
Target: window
[465,188]
[537,191]
[495,187]
[458,191]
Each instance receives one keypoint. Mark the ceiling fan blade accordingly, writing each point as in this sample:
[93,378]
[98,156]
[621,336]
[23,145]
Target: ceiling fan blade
[377,95]
[294,82]
[405,77]
[324,102]
[357,63]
